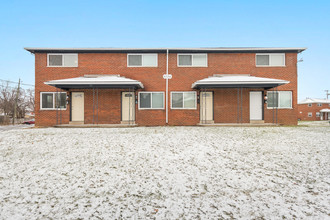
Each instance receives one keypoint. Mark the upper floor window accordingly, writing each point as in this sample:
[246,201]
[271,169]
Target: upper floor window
[319,104]
[310,104]
[273,59]
[279,99]
[62,60]
[53,100]
[195,60]
[142,60]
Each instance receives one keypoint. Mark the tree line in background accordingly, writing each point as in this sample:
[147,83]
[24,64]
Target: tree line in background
[15,100]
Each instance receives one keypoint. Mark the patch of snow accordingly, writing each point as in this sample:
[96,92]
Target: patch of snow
[165,173]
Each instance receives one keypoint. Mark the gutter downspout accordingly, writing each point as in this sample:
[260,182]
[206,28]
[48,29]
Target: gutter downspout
[167,86]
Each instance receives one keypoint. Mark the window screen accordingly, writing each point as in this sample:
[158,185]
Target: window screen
[55,60]
[262,60]
[145,100]
[47,100]
[60,100]
[177,100]
[185,60]
[134,60]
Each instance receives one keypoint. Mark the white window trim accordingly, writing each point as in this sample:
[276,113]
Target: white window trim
[192,59]
[279,97]
[311,114]
[270,64]
[309,104]
[183,108]
[151,108]
[318,114]
[319,104]
[142,59]
[62,59]
[41,108]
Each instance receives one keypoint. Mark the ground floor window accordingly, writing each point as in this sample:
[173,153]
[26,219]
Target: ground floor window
[310,114]
[151,100]
[183,100]
[279,99]
[317,114]
[53,100]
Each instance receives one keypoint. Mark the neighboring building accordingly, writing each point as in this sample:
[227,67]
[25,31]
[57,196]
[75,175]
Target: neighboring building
[165,86]
[314,109]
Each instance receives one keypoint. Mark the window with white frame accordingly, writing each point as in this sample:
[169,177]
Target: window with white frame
[52,100]
[317,114]
[151,100]
[62,60]
[310,104]
[194,60]
[279,99]
[310,114]
[319,104]
[277,59]
[183,100]
[142,60]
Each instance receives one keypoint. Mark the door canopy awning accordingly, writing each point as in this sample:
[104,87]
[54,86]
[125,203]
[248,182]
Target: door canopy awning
[325,110]
[95,81]
[237,81]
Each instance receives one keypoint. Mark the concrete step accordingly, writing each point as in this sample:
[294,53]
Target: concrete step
[76,122]
[257,121]
[127,122]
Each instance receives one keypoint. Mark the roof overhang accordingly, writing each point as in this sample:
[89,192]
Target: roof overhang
[170,50]
[96,81]
[325,110]
[238,81]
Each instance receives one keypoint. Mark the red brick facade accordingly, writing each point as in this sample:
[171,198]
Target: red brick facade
[225,100]
[313,108]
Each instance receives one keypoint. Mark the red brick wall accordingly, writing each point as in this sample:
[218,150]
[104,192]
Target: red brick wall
[152,79]
[303,110]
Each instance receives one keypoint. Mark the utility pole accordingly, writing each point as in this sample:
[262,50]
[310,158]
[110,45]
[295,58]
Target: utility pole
[327,93]
[15,106]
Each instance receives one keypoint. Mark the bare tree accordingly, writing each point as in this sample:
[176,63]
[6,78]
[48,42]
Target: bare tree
[25,101]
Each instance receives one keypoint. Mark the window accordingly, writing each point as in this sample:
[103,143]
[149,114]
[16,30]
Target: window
[319,104]
[317,114]
[279,99]
[62,60]
[53,100]
[151,100]
[310,104]
[195,60]
[142,60]
[310,114]
[270,59]
[183,100]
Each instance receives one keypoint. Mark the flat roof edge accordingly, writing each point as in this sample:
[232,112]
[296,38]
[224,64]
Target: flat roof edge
[208,49]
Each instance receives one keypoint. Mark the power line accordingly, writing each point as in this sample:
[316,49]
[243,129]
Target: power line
[26,84]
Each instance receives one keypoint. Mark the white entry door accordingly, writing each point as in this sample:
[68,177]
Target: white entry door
[77,106]
[256,106]
[127,106]
[206,107]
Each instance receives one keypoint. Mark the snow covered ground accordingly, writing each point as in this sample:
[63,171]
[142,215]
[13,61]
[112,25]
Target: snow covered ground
[165,172]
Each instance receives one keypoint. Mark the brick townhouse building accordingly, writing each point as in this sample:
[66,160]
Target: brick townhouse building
[165,86]
[314,109]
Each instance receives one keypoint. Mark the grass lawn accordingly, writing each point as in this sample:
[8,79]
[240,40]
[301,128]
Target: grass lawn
[165,172]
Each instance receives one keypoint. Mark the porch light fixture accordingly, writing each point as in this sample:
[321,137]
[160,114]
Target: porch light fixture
[265,99]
